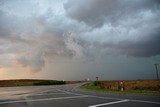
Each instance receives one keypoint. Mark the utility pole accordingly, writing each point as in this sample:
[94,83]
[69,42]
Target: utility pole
[156,66]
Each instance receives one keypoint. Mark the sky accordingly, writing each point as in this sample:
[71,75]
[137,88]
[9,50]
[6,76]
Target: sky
[79,39]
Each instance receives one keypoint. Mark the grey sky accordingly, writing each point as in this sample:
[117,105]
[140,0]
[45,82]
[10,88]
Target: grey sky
[78,39]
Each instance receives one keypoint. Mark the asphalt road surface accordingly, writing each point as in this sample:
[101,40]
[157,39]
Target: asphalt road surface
[70,96]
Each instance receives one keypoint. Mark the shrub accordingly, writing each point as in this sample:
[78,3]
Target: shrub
[97,83]
[49,82]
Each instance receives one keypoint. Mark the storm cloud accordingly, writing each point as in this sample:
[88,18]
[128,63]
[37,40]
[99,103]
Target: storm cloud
[36,34]
[127,27]
[97,13]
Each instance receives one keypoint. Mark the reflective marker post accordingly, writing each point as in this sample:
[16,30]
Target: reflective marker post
[122,86]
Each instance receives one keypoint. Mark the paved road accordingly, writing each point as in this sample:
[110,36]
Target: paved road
[69,96]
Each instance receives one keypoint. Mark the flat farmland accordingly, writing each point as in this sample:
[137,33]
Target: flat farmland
[150,87]
[29,82]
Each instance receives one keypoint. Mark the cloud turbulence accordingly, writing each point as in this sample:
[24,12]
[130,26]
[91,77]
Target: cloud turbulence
[78,39]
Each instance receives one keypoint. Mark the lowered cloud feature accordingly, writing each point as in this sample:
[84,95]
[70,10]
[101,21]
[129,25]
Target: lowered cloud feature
[82,37]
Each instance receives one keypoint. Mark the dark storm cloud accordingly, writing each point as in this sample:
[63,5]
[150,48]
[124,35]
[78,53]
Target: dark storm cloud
[144,48]
[39,31]
[141,16]
[96,13]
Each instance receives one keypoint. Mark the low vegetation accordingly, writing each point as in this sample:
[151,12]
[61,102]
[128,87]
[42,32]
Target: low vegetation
[49,82]
[73,82]
[147,87]
[29,82]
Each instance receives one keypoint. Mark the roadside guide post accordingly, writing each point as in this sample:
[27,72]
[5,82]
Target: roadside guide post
[122,86]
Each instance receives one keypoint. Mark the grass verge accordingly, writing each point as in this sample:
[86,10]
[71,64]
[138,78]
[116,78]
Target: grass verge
[96,88]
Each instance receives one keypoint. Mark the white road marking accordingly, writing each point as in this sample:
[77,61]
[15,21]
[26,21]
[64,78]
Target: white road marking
[142,101]
[106,97]
[67,92]
[79,96]
[145,101]
[110,103]
[112,98]
[45,99]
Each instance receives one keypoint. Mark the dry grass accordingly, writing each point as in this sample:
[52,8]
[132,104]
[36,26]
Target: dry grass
[10,83]
[145,87]
[152,85]
[27,82]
